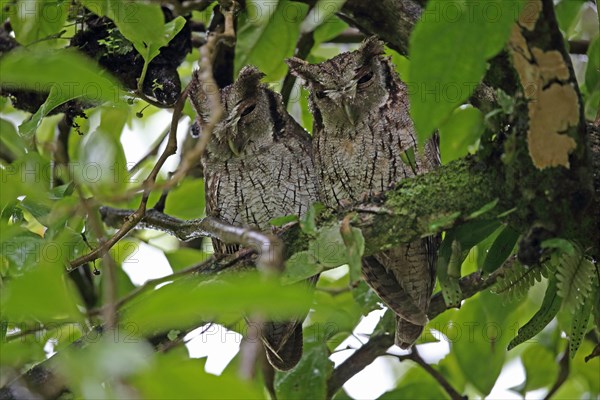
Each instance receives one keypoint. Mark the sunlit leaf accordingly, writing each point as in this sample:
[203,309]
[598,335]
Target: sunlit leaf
[444,75]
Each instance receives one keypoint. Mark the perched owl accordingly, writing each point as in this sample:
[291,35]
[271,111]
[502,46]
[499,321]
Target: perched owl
[364,143]
[257,166]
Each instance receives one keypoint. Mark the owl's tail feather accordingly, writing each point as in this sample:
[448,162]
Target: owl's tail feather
[283,345]
[407,333]
[384,283]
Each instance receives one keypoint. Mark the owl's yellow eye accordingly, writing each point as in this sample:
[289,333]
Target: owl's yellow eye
[365,78]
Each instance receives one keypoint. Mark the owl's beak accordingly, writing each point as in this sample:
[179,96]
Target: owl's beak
[233,147]
[350,111]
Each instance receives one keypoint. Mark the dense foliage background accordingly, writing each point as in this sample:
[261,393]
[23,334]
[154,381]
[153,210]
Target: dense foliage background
[81,129]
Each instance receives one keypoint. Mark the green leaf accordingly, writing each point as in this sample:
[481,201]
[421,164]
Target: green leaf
[20,249]
[557,243]
[11,139]
[329,29]
[502,247]
[186,201]
[308,224]
[355,246]
[33,20]
[280,221]
[308,380]
[299,267]
[549,309]
[72,74]
[321,12]
[328,248]
[264,42]
[55,298]
[99,370]
[481,333]
[416,384]
[102,162]
[540,367]
[171,376]
[566,12]
[185,302]
[592,80]
[185,257]
[444,75]
[460,132]
[448,270]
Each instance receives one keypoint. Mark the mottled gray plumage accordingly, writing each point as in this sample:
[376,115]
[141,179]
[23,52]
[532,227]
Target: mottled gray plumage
[257,166]
[364,143]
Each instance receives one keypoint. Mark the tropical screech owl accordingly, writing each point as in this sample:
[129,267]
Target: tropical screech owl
[363,143]
[257,166]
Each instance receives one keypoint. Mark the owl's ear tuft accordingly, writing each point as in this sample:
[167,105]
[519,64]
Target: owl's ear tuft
[301,69]
[250,75]
[371,47]
[199,97]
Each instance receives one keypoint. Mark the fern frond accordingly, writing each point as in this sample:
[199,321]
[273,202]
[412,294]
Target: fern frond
[517,281]
[581,318]
[548,310]
[575,274]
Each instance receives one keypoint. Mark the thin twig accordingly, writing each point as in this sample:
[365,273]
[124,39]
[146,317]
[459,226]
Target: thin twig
[416,357]
[269,248]
[153,151]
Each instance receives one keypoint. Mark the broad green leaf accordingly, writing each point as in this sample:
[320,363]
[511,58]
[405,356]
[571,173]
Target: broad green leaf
[566,13]
[333,314]
[185,257]
[33,20]
[72,74]
[460,132]
[11,140]
[19,248]
[442,74]
[321,12]
[416,384]
[264,43]
[102,162]
[260,11]
[540,367]
[55,98]
[557,243]
[186,201]
[365,297]
[355,246]
[328,248]
[299,267]
[329,29]
[480,332]
[549,309]
[28,176]
[18,353]
[186,302]
[55,298]
[308,380]
[592,72]
[96,371]
[308,223]
[171,376]
[500,250]
[280,221]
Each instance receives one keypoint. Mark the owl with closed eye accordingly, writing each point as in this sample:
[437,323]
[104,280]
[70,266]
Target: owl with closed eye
[364,143]
[257,166]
